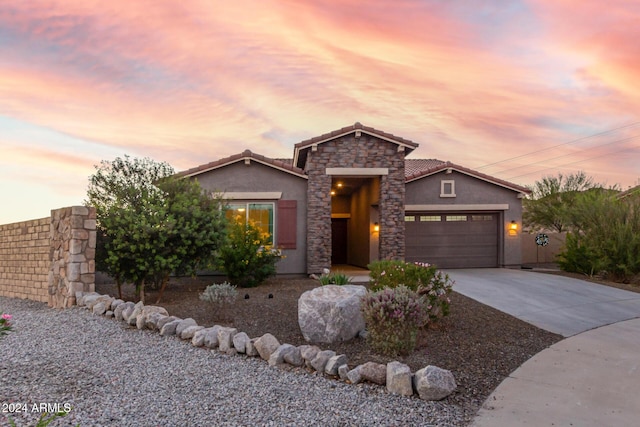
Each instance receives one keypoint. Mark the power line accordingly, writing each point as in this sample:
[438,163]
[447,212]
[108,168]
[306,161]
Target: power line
[560,145]
[573,163]
[572,154]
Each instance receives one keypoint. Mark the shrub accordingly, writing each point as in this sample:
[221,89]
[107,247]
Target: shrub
[422,278]
[393,317]
[219,293]
[248,258]
[5,324]
[336,278]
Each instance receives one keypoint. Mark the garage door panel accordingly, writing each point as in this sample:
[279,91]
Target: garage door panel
[465,241]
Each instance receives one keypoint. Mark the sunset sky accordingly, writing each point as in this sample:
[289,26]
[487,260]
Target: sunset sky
[516,89]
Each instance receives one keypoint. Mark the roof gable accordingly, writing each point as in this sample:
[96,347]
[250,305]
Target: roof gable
[479,175]
[246,156]
[301,149]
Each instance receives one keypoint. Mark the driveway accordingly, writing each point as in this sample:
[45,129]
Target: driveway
[554,303]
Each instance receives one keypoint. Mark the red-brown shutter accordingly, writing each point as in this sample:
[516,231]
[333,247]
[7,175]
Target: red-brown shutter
[287,226]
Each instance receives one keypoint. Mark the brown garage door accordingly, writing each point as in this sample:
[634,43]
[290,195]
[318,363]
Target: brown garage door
[452,240]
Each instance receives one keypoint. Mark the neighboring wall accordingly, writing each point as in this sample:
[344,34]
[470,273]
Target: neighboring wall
[49,259]
[534,254]
[25,259]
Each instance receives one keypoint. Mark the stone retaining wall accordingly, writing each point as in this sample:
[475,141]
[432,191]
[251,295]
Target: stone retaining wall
[49,259]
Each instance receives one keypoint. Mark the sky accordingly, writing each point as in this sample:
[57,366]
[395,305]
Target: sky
[517,89]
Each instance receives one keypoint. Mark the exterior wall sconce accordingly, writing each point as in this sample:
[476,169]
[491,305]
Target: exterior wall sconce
[376,227]
[513,228]
[333,192]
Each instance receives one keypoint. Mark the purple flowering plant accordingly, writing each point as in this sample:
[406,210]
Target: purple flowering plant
[423,278]
[394,317]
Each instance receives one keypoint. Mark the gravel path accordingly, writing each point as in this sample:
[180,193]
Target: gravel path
[112,375]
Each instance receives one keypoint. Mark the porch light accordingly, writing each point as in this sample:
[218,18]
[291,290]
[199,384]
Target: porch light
[339,185]
[333,192]
[376,227]
[513,228]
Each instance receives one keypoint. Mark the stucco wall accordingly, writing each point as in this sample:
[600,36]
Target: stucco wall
[473,191]
[256,177]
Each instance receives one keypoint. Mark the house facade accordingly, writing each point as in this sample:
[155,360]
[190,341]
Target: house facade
[351,197]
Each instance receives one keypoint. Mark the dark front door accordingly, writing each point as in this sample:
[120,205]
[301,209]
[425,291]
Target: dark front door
[339,241]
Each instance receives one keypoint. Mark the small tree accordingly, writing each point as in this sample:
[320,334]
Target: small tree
[151,229]
[551,198]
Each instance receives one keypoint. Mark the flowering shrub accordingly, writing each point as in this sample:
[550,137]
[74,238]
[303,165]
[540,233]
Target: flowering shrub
[420,277]
[5,324]
[393,317]
[247,258]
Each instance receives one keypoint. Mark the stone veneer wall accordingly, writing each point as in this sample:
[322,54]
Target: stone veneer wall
[73,250]
[49,259]
[351,152]
[25,259]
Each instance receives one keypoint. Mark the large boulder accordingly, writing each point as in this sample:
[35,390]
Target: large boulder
[433,383]
[399,379]
[331,313]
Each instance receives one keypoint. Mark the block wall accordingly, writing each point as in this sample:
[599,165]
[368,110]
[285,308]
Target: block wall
[49,259]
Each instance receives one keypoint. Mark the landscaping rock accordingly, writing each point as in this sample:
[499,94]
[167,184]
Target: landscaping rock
[184,324]
[153,319]
[308,353]
[343,372]
[319,363]
[373,372]
[132,317]
[89,300]
[99,308]
[399,380]
[354,376]
[433,383]
[109,314]
[293,357]
[119,311]
[170,328]
[266,345]
[148,310]
[277,357]
[240,342]
[334,363]
[115,303]
[225,338]
[188,333]
[198,337]
[211,337]
[331,313]
[164,320]
[250,347]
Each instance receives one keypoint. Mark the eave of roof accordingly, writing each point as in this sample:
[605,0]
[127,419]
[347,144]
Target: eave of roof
[245,155]
[299,152]
[448,165]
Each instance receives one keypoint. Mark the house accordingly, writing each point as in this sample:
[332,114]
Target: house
[351,197]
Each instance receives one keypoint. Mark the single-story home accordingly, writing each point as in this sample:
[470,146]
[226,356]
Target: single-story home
[351,197]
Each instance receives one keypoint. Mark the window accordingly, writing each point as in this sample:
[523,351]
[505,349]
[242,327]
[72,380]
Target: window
[260,214]
[409,218]
[456,217]
[430,218]
[481,217]
[447,188]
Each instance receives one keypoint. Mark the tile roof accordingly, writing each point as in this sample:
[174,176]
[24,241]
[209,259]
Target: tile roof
[415,166]
[282,164]
[448,165]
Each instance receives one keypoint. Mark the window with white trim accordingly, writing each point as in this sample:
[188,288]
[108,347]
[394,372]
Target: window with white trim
[447,188]
[259,214]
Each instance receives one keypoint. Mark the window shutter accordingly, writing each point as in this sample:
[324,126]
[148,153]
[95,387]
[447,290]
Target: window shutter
[287,225]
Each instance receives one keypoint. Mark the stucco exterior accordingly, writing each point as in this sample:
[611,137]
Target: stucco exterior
[360,177]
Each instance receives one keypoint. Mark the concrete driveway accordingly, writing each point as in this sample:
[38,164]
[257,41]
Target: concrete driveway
[554,303]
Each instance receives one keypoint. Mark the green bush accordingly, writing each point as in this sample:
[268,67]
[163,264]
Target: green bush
[337,278]
[605,238]
[219,293]
[248,258]
[393,317]
[422,278]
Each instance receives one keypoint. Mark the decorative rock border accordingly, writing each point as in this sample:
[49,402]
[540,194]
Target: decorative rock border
[429,383]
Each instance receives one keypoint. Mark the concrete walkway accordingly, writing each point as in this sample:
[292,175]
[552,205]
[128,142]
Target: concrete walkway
[591,379]
[554,303]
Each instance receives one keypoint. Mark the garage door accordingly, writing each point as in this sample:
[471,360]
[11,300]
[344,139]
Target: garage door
[452,240]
